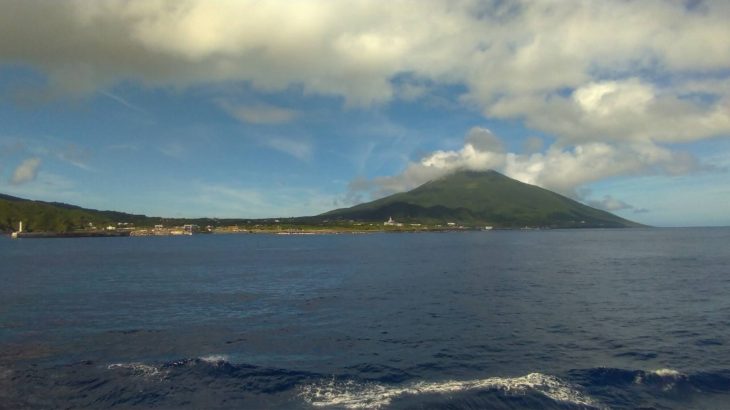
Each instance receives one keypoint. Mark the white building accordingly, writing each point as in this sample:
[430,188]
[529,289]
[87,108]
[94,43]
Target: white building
[391,222]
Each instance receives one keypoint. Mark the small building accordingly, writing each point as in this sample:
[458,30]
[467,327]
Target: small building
[391,222]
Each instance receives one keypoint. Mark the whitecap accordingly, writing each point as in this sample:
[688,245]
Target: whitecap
[214,358]
[355,395]
[139,369]
[665,378]
[668,373]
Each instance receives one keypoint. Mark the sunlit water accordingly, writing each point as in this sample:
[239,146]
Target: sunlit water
[502,319]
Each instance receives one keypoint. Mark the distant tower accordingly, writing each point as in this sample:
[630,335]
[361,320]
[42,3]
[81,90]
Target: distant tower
[20,226]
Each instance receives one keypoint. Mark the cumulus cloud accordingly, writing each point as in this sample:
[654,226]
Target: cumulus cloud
[353,49]
[627,110]
[483,140]
[559,168]
[532,145]
[613,82]
[27,171]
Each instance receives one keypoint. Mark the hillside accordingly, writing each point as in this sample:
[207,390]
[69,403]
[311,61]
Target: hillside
[53,216]
[40,216]
[482,198]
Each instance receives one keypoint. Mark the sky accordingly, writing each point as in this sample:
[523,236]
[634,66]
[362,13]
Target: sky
[275,108]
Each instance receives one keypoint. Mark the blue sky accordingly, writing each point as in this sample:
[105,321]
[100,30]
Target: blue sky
[286,108]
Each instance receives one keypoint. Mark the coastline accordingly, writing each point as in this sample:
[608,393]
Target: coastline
[282,232]
[78,234]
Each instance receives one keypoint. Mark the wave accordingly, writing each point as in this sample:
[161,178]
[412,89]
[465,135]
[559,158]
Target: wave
[140,369]
[162,371]
[664,378]
[670,373]
[213,381]
[354,395]
[581,388]
[214,359]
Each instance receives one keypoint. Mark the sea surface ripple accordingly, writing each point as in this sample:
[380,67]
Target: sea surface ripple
[563,319]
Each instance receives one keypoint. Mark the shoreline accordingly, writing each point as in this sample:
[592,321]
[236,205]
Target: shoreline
[287,232]
[74,234]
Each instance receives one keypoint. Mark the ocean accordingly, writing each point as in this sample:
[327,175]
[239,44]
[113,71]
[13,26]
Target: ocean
[555,319]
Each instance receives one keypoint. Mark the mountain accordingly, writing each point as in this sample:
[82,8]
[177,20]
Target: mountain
[466,198]
[482,198]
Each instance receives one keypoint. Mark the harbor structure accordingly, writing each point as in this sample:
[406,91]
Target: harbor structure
[14,235]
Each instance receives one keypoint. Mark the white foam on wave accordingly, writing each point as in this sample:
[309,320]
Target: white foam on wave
[214,358]
[150,371]
[140,369]
[354,395]
[667,373]
[667,378]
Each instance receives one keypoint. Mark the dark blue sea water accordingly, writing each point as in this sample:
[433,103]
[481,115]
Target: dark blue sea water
[506,319]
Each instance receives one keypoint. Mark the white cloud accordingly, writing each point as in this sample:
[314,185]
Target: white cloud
[627,110]
[561,169]
[610,97]
[532,145]
[612,81]
[353,49]
[483,140]
[27,171]
[260,113]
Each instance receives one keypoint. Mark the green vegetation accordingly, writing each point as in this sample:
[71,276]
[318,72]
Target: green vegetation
[482,198]
[464,199]
[39,216]
[44,216]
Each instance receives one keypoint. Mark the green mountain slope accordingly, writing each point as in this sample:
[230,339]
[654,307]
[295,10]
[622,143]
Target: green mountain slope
[482,198]
[40,216]
[54,216]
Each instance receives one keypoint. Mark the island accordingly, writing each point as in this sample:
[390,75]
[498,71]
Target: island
[464,200]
